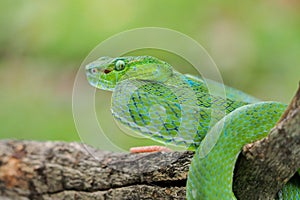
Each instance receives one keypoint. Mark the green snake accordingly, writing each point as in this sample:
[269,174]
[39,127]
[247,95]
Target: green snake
[152,98]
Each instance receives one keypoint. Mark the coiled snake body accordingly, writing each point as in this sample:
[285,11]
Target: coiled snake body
[150,97]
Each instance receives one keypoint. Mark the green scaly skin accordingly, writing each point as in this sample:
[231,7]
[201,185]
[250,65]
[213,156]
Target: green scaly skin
[150,97]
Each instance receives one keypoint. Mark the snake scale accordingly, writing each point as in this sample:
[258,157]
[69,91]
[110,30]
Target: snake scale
[152,98]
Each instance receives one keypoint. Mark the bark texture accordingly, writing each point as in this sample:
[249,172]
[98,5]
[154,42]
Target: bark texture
[56,170]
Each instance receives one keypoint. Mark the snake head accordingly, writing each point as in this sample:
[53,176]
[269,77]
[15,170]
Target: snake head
[106,72]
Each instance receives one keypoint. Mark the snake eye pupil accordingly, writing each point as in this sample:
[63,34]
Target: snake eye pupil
[120,65]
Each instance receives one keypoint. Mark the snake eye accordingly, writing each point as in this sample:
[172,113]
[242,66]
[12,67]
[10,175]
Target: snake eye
[120,65]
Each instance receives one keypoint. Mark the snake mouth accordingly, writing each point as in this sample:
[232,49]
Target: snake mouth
[99,83]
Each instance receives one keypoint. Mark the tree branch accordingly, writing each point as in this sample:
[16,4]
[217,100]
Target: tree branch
[266,165]
[57,170]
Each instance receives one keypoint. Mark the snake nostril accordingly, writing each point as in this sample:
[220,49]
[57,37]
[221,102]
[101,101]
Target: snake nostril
[106,71]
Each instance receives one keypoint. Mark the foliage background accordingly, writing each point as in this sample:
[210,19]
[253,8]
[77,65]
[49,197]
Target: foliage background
[255,44]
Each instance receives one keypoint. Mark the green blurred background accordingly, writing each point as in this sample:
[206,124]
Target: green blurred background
[256,45]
